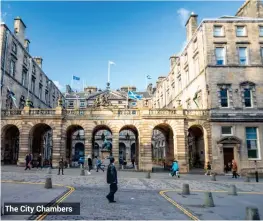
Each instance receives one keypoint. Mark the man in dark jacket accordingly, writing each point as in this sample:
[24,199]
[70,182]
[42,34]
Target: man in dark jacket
[27,161]
[112,180]
[61,166]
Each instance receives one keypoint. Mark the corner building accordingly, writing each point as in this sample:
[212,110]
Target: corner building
[220,70]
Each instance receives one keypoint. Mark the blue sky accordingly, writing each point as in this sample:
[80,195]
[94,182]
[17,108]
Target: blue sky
[78,38]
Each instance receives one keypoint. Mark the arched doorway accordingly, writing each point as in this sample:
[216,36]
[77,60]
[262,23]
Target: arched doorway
[122,151]
[128,145]
[196,150]
[10,144]
[162,147]
[79,151]
[75,147]
[101,142]
[41,142]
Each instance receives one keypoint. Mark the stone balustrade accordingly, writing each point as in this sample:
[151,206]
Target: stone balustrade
[141,113]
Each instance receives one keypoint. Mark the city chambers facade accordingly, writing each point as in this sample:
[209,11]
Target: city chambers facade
[208,109]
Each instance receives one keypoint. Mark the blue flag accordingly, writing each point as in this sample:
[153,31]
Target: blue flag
[76,78]
[134,96]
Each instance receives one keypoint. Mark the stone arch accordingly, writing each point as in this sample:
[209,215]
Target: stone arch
[102,134]
[129,133]
[197,143]
[10,135]
[6,123]
[41,141]
[75,133]
[163,146]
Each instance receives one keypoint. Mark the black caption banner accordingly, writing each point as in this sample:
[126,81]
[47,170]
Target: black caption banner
[39,208]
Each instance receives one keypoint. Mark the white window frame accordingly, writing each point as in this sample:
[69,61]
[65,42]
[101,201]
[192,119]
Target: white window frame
[245,31]
[231,134]
[221,31]
[228,103]
[224,55]
[251,98]
[258,145]
[12,70]
[259,30]
[247,59]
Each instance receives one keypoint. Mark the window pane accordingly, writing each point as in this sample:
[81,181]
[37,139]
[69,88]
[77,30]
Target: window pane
[218,31]
[242,55]
[247,97]
[252,130]
[261,31]
[220,56]
[240,31]
[226,130]
[252,153]
[224,98]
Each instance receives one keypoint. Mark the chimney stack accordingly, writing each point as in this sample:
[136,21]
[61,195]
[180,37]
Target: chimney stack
[26,44]
[191,25]
[173,60]
[19,29]
[39,61]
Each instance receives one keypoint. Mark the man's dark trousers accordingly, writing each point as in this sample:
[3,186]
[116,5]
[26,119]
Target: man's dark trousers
[113,190]
[61,170]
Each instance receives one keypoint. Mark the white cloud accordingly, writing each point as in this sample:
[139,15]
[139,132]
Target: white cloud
[183,15]
[59,86]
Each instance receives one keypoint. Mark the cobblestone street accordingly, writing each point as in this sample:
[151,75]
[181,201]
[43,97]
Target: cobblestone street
[138,197]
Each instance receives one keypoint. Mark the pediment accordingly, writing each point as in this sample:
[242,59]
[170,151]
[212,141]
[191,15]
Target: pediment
[112,95]
[229,140]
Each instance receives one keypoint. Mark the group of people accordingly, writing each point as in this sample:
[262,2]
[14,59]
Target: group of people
[29,161]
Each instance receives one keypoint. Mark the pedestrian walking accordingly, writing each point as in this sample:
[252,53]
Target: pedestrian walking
[61,166]
[234,169]
[89,164]
[208,169]
[133,162]
[98,164]
[31,160]
[112,180]
[175,169]
[27,159]
[39,161]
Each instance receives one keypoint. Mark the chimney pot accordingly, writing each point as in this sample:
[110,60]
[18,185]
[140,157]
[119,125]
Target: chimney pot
[191,25]
[19,29]
[39,61]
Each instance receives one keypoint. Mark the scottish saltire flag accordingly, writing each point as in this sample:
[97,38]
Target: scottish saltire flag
[111,62]
[149,77]
[134,96]
[76,78]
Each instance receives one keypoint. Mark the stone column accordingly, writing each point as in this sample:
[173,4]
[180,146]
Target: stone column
[145,150]
[88,144]
[115,148]
[180,141]
[24,146]
[57,145]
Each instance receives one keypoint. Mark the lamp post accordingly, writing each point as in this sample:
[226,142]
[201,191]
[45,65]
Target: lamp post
[256,171]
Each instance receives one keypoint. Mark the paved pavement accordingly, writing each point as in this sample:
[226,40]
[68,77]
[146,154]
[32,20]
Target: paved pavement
[131,205]
[227,207]
[139,197]
[27,193]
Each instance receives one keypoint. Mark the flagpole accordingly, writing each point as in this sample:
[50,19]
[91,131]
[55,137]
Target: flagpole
[128,98]
[109,73]
[146,81]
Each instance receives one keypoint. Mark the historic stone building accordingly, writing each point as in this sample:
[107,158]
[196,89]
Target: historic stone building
[22,77]
[208,108]
[221,70]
